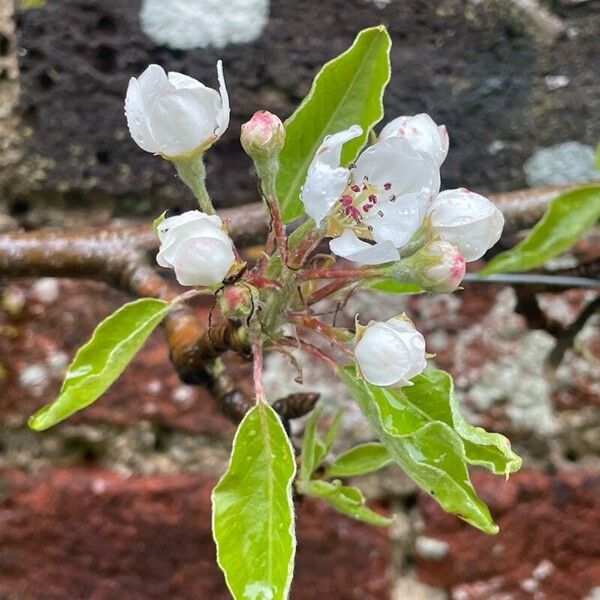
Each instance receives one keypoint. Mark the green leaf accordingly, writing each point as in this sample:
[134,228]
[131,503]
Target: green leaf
[310,442]
[345,499]
[364,458]
[432,398]
[566,219]
[333,429]
[102,359]
[392,286]
[431,452]
[157,222]
[253,516]
[347,91]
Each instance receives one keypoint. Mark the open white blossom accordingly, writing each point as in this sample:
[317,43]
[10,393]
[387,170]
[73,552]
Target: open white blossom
[175,115]
[422,132]
[390,353]
[383,197]
[466,220]
[196,247]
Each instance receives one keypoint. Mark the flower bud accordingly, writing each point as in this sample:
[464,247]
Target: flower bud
[263,136]
[196,247]
[237,301]
[174,115]
[466,220]
[422,132]
[390,353]
[443,267]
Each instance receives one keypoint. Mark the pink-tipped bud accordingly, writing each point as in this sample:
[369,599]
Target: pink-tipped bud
[237,301]
[263,135]
[445,269]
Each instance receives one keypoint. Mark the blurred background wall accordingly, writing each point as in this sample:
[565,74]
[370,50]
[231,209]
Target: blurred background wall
[115,503]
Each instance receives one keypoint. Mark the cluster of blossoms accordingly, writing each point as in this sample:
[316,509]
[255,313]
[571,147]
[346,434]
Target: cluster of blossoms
[385,210]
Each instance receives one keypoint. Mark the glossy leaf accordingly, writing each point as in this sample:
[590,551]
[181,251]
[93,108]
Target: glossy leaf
[253,518]
[345,499]
[566,219]
[364,458]
[432,398]
[102,359]
[430,451]
[347,91]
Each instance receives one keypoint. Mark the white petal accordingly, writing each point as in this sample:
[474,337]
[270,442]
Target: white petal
[383,357]
[223,118]
[466,220]
[172,232]
[390,353]
[397,221]
[422,132]
[137,121]
[203,261]
[330,151]
[396,162]
[322,188]
[154,83]
[186,217]
[184,82]
[181,121]
[351,247]
[326,180]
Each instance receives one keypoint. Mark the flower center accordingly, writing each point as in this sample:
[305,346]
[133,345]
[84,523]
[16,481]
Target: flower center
[359,202]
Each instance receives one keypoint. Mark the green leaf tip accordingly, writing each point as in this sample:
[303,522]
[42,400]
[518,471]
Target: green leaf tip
[102,359]
[347,91]
[566,219]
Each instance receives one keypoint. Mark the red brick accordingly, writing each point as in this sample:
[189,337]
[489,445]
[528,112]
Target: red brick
[542,517]
[89,533]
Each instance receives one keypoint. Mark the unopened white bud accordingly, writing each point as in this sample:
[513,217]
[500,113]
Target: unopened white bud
[196,247]
[390,353]
[175,115]
[466,220]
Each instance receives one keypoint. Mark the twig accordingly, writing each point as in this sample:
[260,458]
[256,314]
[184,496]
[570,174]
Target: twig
[549,281]
[567,336]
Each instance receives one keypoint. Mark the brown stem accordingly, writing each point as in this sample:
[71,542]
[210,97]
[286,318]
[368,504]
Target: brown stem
[335,273]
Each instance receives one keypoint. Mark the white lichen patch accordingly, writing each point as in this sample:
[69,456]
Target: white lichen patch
[186,24]
[522,384]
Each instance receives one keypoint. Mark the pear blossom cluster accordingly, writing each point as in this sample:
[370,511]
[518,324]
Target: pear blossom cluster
[384,210]
[379,202]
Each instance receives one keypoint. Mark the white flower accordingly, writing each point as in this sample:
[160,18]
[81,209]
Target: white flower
[466,220]
[390,353]
[383,196]
[422,132]
[175,114]
[447,273]
[195,245]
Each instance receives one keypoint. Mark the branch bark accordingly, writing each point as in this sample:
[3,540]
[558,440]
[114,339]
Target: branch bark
[118,256]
